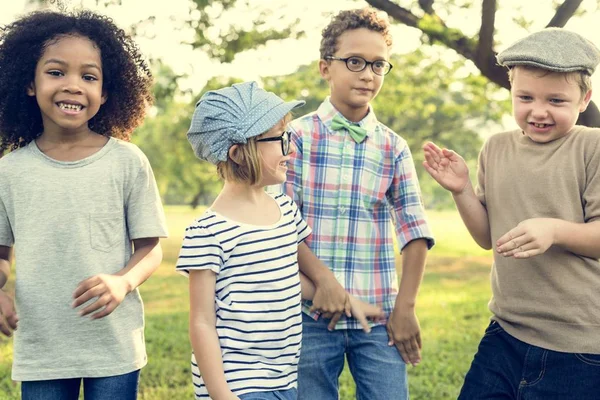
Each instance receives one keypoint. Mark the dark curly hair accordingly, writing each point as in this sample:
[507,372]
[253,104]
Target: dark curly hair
[349,20]
[126,76]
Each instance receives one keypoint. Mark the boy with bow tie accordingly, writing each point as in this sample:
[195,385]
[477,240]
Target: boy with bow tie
[351,177]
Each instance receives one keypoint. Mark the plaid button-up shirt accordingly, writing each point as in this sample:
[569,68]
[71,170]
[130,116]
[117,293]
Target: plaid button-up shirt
[350,194]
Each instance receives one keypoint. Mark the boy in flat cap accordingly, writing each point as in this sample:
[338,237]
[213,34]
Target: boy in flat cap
[243,254]
[537,204]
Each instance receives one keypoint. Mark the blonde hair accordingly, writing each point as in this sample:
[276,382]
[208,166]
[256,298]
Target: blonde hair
[247,165]
[582,78]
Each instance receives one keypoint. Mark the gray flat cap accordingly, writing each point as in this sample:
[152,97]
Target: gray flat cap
[554,49]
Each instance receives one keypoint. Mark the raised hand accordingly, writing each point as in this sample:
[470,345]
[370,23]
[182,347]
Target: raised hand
[529,238]
[446,167]
[110,290]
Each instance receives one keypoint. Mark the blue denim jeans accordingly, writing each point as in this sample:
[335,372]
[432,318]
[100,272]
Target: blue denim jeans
[119,387]
[506,368]
[377,369]
[290,394]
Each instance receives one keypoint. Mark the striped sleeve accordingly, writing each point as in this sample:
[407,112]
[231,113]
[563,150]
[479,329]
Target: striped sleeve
[302,227]
[200,250]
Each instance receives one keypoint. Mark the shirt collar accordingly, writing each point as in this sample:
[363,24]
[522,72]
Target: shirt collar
[327,111]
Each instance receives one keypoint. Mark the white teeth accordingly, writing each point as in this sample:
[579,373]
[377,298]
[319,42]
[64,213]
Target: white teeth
[71,107]
[539,125]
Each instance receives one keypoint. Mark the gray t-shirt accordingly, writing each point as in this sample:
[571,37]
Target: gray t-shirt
[69,221]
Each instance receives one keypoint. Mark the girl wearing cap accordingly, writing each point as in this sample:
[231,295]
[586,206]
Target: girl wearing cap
[242,254]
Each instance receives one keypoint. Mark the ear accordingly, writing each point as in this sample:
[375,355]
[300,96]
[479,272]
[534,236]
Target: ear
[585,101]
[234,155]
[31,89]
[324,66]
[104,97]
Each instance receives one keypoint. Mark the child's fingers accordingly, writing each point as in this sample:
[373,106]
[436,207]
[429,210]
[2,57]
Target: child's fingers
[336,317]
[363,322]
[12,320]
[4,327]
[412,347]
[110,307]
[403,352]
[87,295]
[85,285]
[98,304]
[348,306]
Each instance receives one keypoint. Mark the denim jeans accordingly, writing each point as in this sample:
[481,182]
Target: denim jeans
[290,394]
[119,387]
[506,368]
[378,369]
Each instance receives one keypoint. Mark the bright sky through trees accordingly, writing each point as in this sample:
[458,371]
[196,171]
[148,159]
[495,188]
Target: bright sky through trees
[164,36]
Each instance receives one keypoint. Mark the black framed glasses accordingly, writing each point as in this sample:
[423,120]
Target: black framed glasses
[358,64]
[285,141]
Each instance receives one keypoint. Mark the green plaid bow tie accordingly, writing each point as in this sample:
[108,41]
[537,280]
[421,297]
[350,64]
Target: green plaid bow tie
[356,132]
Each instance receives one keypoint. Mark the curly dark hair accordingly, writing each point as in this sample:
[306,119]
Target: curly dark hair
[349,20]
[126,76]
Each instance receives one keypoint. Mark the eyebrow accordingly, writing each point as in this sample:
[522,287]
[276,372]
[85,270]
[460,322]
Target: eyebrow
[61,62]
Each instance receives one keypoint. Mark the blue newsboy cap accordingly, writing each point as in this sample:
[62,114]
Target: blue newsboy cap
[553,49]
[232,115]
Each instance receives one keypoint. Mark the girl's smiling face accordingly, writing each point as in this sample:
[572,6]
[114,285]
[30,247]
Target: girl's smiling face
[68,84]
[273,161]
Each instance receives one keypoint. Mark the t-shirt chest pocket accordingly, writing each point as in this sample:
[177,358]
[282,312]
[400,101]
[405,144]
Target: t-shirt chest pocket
[106,230]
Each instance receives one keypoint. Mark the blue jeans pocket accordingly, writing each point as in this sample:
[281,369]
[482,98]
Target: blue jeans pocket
[589,359]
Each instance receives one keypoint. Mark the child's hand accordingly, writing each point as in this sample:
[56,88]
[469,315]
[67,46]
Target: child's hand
[330,299]
[8,315]
[363,312]
[110,291]
[404,332]
[530,238]
[446,167]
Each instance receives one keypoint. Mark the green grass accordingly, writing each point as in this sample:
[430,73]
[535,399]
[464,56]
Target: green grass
[452,308]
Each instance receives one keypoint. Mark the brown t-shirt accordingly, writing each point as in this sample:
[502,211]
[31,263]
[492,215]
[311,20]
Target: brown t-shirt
[551,300]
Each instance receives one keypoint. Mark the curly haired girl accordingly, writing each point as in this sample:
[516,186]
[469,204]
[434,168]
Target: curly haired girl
[78,204]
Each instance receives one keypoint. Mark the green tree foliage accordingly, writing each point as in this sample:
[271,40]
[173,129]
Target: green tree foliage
[228,40]
[428,16]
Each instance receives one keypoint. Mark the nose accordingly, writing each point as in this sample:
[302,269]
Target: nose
[539,111]
[367,73]
[72,84]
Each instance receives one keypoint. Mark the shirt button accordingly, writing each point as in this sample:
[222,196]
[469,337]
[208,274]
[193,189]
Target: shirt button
[341,240]
[342,210]
[346,178]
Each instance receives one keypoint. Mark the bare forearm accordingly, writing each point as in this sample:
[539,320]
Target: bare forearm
[145,259]
[310,265]
[474,216]
[307,287]
[414,255]
[579,238]
[207,351]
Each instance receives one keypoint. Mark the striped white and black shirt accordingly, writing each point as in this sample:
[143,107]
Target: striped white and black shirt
[257,296]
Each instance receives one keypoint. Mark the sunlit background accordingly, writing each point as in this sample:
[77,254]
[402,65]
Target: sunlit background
[431,94]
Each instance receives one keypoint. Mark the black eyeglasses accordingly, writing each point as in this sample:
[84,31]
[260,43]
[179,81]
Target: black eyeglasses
[358,64]
[285,141]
